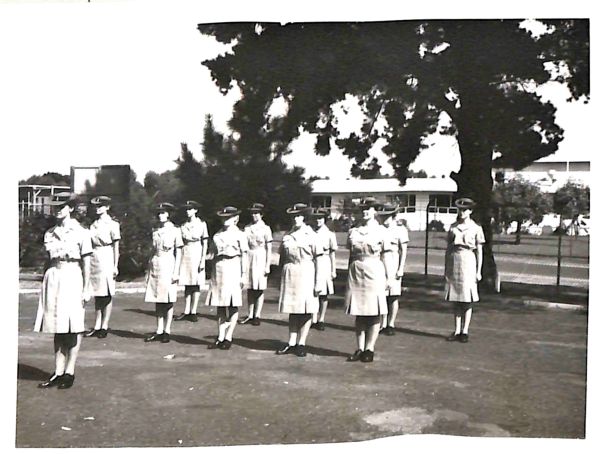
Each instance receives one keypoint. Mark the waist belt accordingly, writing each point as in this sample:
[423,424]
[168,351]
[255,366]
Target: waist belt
[461,247]
[58,263]
[365,256]
[226,257]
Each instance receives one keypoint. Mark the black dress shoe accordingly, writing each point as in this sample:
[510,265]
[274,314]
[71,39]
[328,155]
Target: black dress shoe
[67,381]
[55,380]
[391,331]
[255,321]
[154,338]
[300,351]
[246,320]
[102,334]
[464,338]
[193,318]
[286,350]
[355,356]
[453,337]
[92,333]
[215,344]
[181,317]
[165,338]
[320,326]
[367,356]
[225,345]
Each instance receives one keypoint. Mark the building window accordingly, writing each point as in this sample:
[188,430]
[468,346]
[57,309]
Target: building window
[320,201]
[442,203]
[405,202]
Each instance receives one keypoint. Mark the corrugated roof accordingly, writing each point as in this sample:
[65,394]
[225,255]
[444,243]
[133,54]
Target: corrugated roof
[383,185]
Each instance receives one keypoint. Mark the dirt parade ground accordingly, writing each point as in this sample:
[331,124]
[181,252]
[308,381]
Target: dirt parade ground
[522,374]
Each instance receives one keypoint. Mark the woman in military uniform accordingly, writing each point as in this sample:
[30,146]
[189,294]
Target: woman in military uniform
[163,272]
[297,295]
[366,289]
[260,239]
[228,248]
[194,233]
[394,259]
[65,289]
[464,258]
[326,269]
[105,234]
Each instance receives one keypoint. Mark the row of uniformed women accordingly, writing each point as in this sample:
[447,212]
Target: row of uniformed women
[377,257]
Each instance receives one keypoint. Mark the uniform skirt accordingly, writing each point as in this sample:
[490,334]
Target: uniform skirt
[365,294]
[324,271]
[257,280]
[102,267]
[391,261]
[60,307]
[461,276]
[191,256]
[159,280]
[297,290]
[225,289]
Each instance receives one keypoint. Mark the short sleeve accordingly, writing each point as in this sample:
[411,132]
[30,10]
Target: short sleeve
[268,235]
[178,241]
[403,235]
[243,241]
[479,237]
[85,245]
[115,232]
[332,242]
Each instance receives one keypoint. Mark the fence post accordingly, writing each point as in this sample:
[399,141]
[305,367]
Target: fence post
[560,233]
[427,236]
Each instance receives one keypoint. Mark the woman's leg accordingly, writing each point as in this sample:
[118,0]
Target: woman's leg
[72,343]
[232,320]
[393,303]
[168,317]
[294,328]
[106,313]
[322,308]
[304,321]
[458,314]
[468,311]
[195,300]
[160,319]
[222,322]
[98,303]
[360,329]
[260,299]
[372,331]
[189,292]
[251,293]
[60,354]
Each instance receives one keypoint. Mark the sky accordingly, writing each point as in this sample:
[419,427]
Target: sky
[122,83]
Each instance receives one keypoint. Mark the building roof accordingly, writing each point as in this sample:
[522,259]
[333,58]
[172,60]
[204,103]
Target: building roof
[382,185]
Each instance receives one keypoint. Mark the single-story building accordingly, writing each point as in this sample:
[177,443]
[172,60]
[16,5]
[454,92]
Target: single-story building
[35,198]
[339,196]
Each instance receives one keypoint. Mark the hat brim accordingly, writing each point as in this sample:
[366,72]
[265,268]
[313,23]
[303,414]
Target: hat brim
[302,212]
[190,207]
[386,213]
[227,215]
[466,206]
[255,210]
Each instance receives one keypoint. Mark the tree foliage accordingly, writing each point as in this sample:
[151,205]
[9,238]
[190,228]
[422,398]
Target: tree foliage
[48,179]
[520,200]
[230,173]
[482,74]
[571,200]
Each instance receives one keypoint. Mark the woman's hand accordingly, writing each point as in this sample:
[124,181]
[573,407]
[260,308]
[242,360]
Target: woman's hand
[399,274]
[87,295]
[175,278]
[115,272]
[478,276]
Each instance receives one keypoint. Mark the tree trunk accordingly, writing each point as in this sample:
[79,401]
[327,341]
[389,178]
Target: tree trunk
[474,180]
[518,237]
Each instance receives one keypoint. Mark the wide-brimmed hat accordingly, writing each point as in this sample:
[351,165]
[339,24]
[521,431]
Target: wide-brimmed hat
[298,208]
[61,199]
[191,204]
[387,209]
[369,202]
[101,200]
[228,212]
[164,207]
[320,213]
[256,208]
[465,203]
